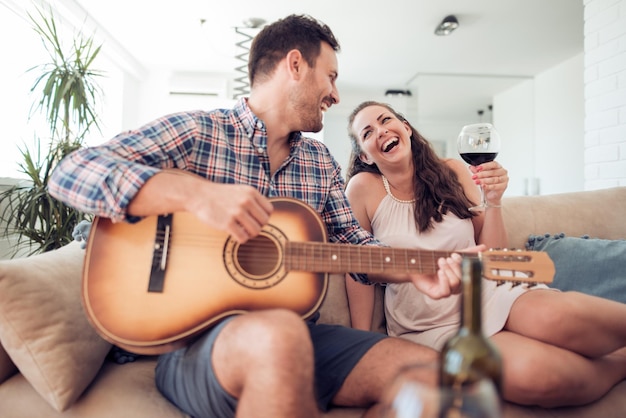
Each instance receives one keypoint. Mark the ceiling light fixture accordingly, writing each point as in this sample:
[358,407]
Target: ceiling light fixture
[398,92]
[447,26]
[254,22]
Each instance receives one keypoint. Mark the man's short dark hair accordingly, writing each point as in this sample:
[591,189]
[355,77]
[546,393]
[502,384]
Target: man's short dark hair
[275,40]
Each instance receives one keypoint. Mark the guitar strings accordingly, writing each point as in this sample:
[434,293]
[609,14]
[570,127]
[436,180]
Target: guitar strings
[323,256]
[333,257]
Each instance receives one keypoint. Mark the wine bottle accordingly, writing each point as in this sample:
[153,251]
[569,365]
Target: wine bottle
[469,357]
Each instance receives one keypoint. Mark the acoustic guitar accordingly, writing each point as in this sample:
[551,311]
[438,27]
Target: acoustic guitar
[151,286]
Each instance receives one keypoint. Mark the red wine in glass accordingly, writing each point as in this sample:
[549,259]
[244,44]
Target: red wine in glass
[477,158]
[477,144]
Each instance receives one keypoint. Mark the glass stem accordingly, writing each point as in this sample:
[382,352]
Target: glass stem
[483,198]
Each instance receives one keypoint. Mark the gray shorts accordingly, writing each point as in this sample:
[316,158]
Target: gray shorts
[187,379]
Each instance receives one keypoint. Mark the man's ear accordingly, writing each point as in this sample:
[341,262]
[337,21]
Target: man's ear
[295,63]
[365,159]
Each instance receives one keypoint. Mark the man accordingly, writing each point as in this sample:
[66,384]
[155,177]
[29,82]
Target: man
[266,363]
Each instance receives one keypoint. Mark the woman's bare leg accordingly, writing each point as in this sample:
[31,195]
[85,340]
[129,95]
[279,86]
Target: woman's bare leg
[588,325]
[536,373]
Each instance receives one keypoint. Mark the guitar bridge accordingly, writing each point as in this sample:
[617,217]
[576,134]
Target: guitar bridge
[161,250]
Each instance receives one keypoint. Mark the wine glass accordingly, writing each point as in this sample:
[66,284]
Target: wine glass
[479,143]
[414,394]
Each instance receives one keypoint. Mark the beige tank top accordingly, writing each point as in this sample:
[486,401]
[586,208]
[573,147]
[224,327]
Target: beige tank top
[411,314]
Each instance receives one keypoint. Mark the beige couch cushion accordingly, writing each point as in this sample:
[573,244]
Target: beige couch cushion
[43,327]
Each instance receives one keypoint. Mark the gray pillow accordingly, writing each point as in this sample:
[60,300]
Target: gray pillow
[588,265]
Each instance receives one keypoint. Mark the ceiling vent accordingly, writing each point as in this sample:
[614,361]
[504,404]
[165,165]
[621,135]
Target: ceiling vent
[198,84]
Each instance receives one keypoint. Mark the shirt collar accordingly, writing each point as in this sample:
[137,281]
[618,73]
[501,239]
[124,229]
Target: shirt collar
[249,121]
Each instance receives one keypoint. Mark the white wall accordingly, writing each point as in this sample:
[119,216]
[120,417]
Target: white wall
[513,117]
[559,131]
[163,92]
[541,124]
[15,84]
[605,93]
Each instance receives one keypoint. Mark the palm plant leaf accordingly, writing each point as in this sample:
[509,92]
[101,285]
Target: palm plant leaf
[68,94]
[69,83]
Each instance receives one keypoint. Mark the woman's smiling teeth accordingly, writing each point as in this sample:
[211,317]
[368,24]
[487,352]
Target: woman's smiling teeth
[389,144]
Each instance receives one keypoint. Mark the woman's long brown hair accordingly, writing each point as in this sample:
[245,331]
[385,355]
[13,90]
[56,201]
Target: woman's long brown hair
[436,186]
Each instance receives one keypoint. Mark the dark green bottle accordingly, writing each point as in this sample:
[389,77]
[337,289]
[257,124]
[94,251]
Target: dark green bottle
[469,356]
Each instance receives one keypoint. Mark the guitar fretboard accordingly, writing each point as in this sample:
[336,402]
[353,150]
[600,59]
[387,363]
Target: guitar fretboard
[340,258]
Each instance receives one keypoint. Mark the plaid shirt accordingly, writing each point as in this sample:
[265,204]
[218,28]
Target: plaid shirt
[224,146]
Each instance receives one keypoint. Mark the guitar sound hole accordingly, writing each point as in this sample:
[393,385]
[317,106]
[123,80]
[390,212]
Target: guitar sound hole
[258,257]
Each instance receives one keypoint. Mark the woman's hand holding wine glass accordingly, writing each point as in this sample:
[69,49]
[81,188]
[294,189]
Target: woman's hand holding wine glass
[478,144]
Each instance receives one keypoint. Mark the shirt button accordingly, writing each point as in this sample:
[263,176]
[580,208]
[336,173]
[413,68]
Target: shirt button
[259,125]
[260,150]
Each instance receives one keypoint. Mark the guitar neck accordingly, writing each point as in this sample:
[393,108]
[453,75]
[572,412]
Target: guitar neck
[498,265]
[341,258]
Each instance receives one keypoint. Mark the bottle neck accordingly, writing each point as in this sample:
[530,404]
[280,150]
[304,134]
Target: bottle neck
[471,295]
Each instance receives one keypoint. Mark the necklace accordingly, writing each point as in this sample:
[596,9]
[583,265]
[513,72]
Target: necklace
[388,189]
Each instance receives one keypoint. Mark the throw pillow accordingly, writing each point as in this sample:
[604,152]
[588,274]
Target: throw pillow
[7,368]
[588,265]
[43,327]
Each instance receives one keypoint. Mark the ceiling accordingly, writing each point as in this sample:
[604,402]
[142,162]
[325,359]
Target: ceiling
[387,44]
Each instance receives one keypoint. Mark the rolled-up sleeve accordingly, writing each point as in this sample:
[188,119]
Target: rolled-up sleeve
[102,180]
[105,188]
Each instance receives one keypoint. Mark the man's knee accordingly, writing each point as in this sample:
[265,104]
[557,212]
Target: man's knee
[268,333]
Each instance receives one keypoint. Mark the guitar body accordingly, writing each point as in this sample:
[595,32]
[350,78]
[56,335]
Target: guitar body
[206,276]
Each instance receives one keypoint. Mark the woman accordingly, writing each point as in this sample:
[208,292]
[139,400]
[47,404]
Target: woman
[558,348]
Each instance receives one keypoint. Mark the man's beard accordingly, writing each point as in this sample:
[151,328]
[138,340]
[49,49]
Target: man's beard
[309,113]
[314,124]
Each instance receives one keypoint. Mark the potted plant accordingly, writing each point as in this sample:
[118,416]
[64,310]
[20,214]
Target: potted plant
[69,93]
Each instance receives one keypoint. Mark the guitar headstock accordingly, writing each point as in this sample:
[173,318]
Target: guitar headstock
[517,266]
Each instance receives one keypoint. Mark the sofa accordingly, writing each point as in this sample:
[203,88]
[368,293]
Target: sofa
[53,364]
